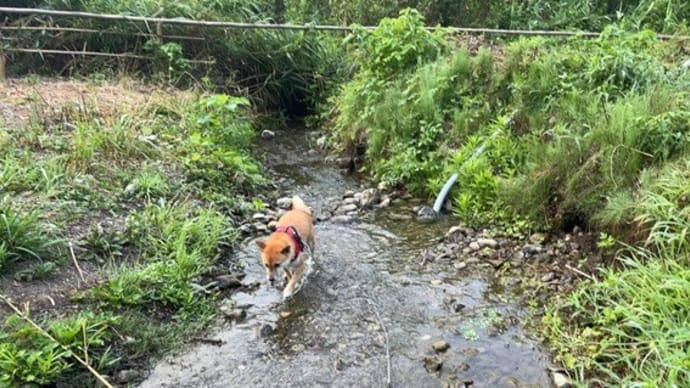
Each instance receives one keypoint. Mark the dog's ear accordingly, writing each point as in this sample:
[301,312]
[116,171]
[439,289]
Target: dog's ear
[261,244]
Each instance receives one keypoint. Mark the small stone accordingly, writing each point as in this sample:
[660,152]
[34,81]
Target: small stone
[261,228]
[265,330]
[460,265]
[350,200]
[474,246]
[369,197]
[322,142]
[342,219]
[426,213]
[284,203]
[285,314]
[246,229]
[532,249]
[560,380]
[440,346]
[227,281]
[685,65]
[349,194]
[455,234]
[347,208]
[267,134]
[436,282]
[235,314]
[548,277]
[487,242]
[272,225]
[432,364]
[260,217]
[385,202]
[127,375]
[537,238]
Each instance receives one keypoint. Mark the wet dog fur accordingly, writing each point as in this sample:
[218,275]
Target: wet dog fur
[278,249]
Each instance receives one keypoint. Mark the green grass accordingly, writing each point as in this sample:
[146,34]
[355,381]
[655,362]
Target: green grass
[148,197]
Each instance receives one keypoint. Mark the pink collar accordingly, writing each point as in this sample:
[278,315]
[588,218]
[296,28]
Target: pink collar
[296,239]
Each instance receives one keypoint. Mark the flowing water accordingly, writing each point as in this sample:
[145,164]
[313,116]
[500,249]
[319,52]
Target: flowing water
[371,307]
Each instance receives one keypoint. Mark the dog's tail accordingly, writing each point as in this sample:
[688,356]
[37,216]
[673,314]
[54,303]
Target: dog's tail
[298,204]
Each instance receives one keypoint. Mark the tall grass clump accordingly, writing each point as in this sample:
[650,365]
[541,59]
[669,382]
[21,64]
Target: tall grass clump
[23,236]
[630,327]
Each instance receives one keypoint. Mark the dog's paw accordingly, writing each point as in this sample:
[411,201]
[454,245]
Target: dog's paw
[288,291]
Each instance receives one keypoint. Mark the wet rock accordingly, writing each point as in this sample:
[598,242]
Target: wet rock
[532,249]
[350,201]
[260,217]
[227,281]
[369,197]
[436,282]
[548,277]
[455,234]
[342,219]
[487,242]
[440,346]
[474,246]
[560,380]
[246,229]
[265,330]
[267,134]
[285,314]
[537,238]
[260,228]
[284,203]
[460,265]
[426,213]
[385,202]
[236,315]
[322,142]
[349,194]
[127,376]
[347,208]
[432,364]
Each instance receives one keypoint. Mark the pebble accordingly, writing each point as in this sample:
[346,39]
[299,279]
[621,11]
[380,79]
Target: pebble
[127,375]
[267,134]
[440,346]
[487,242]
[284,203]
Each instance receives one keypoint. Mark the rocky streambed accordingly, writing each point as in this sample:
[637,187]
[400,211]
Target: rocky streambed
[392,297]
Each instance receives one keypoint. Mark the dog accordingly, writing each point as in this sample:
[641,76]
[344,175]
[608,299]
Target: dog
[285,246]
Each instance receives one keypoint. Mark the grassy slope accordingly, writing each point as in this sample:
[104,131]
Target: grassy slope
[144,184]
[588,132]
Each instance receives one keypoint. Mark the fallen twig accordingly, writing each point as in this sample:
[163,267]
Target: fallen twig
[94,372]
[76,263]
[577,271]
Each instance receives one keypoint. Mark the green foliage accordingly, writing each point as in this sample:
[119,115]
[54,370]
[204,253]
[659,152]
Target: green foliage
[24,237]
[177,246]
[628,329]
[27,356]
[216,151]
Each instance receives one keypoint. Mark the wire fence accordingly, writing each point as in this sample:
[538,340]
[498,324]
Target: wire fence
[7,43]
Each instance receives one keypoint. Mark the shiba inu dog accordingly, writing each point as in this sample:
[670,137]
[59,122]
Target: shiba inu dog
[285,246]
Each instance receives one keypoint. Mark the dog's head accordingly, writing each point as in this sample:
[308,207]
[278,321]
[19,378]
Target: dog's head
[275,250]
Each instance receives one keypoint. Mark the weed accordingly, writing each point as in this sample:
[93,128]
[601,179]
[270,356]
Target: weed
[24,237]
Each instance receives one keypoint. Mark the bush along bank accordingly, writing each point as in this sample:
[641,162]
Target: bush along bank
[555,133]
[143,194]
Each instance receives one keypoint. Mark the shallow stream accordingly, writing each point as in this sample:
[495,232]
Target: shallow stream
[370,282]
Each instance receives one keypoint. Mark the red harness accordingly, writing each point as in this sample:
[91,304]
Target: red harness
[296,239]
